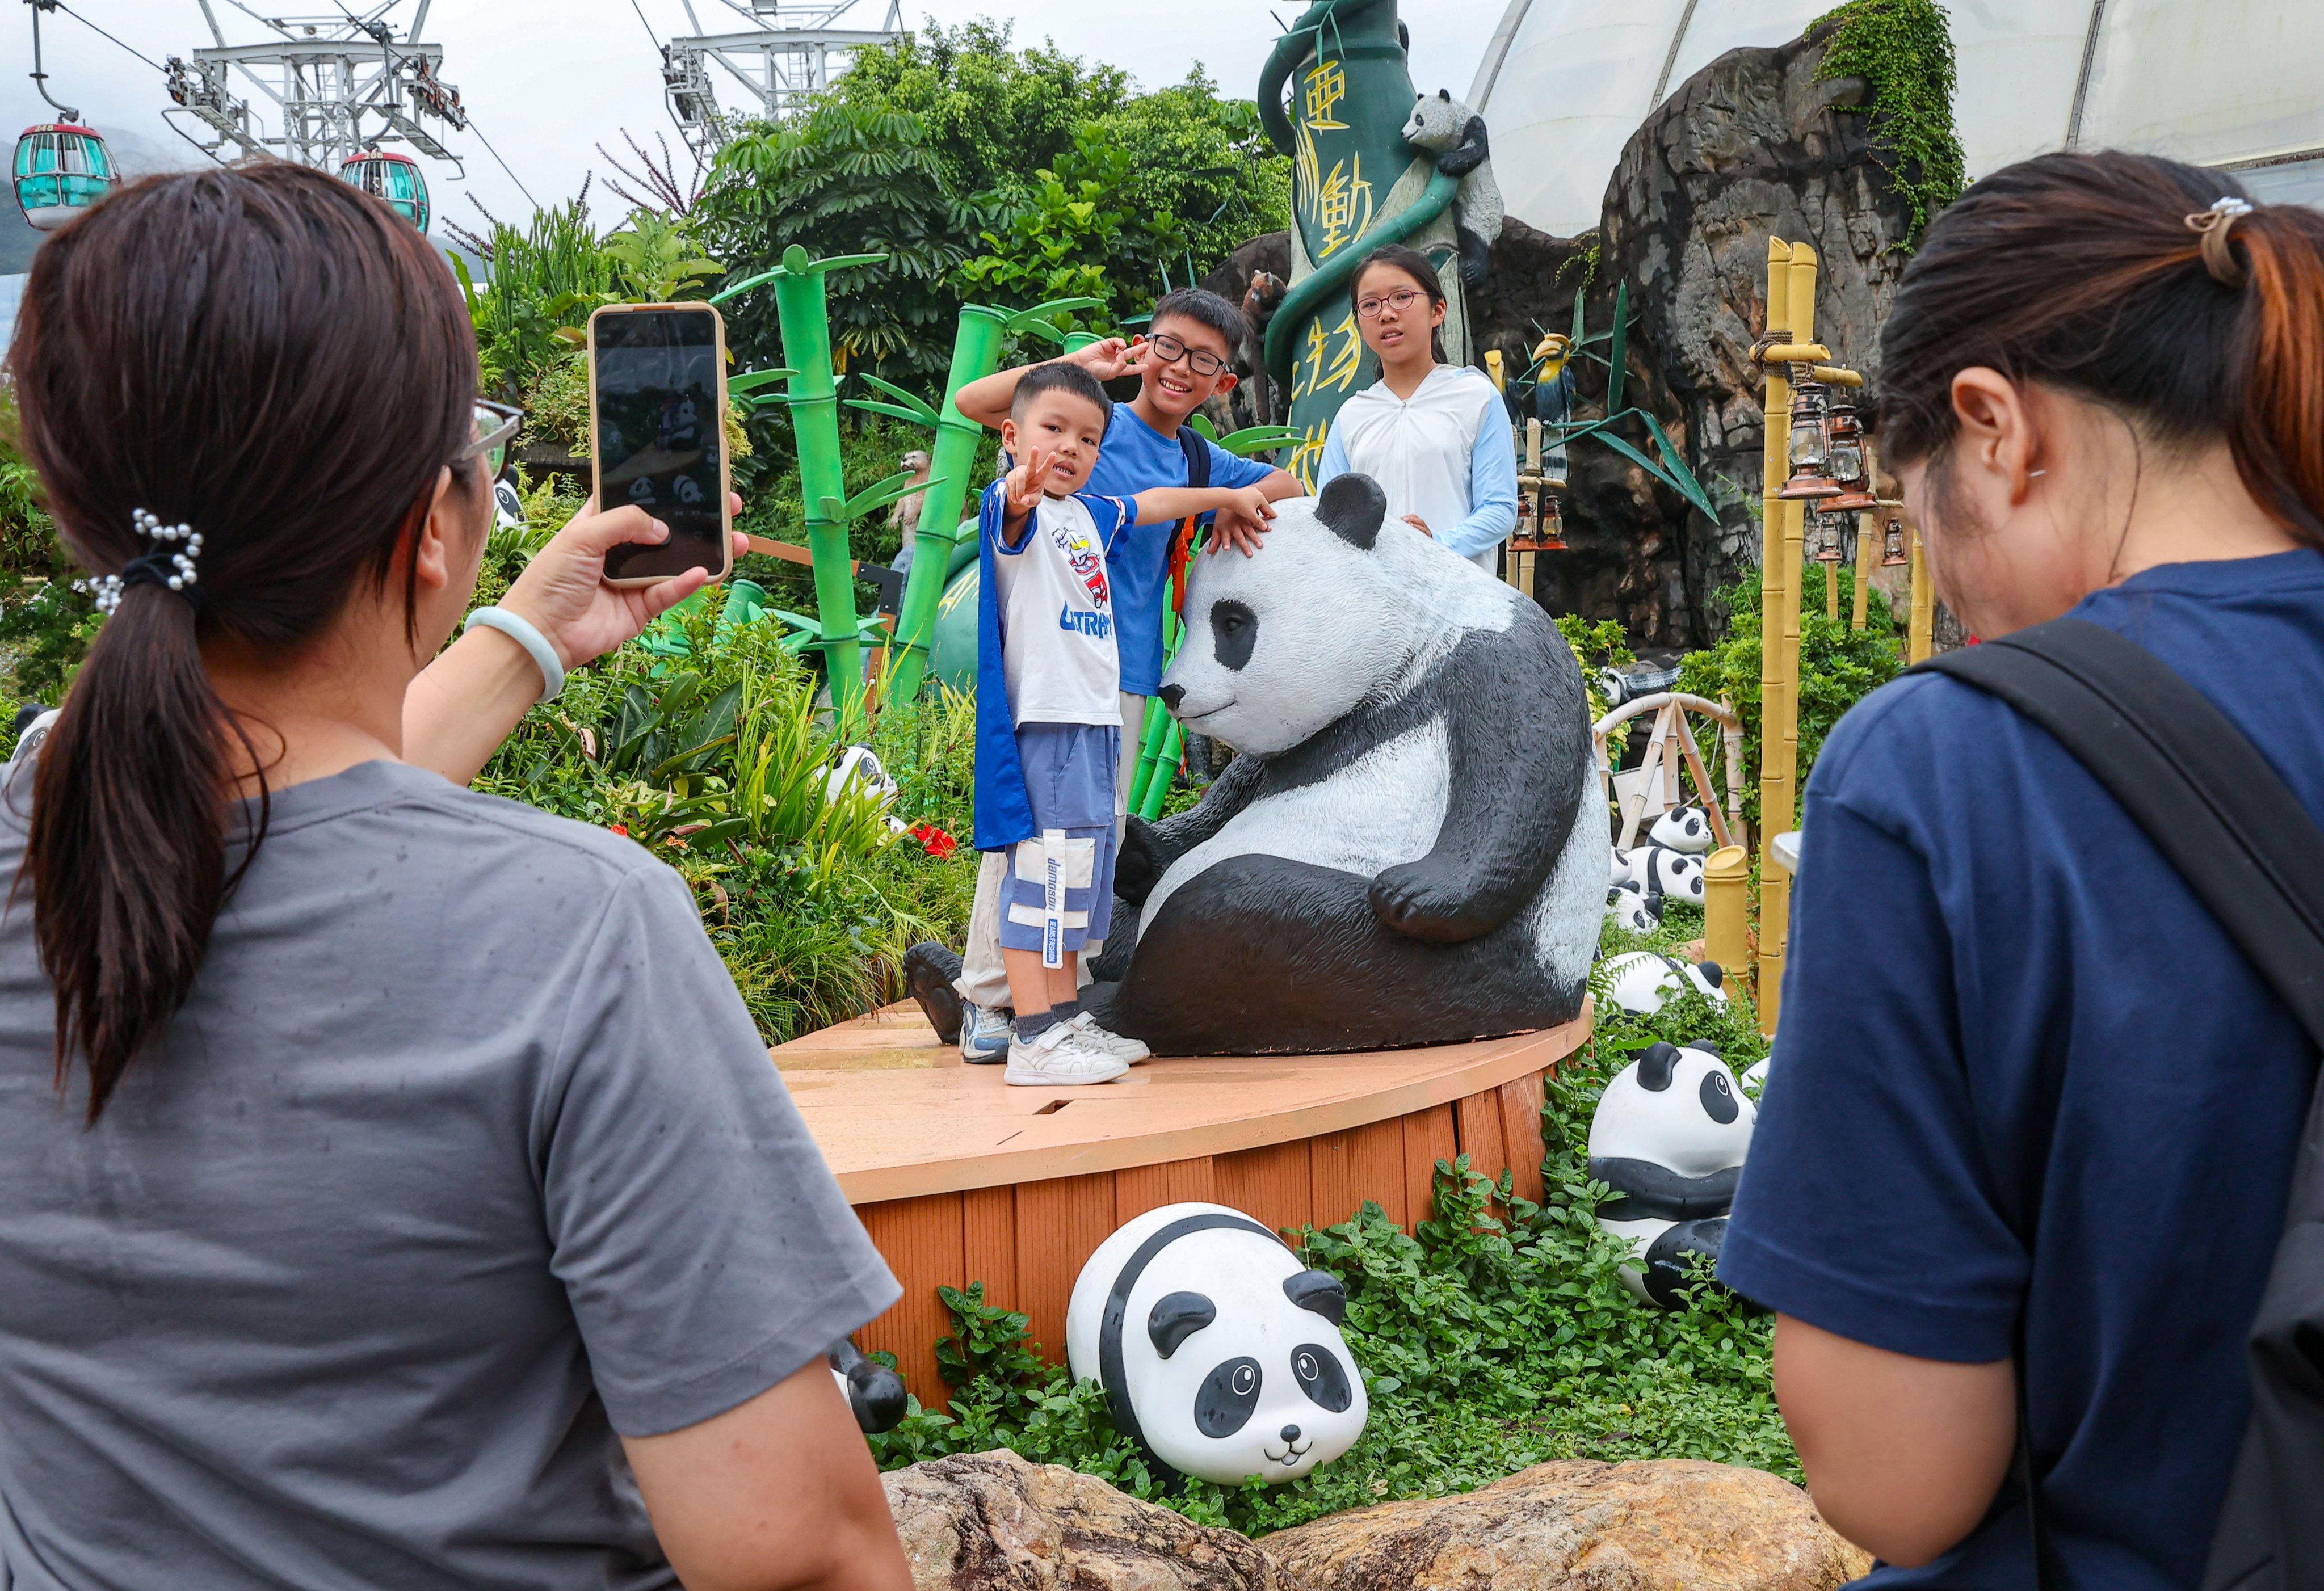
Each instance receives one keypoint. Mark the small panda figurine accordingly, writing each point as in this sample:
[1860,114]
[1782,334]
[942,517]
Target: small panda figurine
[1682,827]
[1455,135]
[508,508]
[1634,908]
[1218,1353]
[1669,1136]
[1645,981]
[1660,871]
[861,766]
[874,1392]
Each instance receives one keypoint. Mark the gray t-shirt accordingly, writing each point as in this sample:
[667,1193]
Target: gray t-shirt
[463,1157]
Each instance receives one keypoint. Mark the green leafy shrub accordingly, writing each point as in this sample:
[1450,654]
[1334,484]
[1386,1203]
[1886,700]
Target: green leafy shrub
[1839,667]
[1905,48]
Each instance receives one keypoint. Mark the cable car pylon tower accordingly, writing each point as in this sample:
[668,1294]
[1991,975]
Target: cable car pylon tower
[789,52]
[337,85]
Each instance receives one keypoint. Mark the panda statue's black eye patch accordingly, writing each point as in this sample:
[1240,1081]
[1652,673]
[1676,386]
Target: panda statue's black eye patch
[1317,1370]
[1718,1098]
[1234,631]
[1223,1402]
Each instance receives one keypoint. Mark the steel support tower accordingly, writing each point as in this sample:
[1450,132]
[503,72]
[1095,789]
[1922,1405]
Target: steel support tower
[789,52]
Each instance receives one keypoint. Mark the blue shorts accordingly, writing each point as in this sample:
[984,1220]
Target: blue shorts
[1069,773]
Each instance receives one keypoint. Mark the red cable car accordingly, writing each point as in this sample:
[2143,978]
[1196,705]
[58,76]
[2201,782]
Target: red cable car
[394,178]
[63,168]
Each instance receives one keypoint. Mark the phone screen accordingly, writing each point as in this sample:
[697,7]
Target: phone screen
[658,436]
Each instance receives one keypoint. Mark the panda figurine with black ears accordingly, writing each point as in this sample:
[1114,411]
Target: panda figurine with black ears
[1218,1352]
[1404,852]
[1669,1136]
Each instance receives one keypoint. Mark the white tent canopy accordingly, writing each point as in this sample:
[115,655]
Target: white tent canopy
[2233,83]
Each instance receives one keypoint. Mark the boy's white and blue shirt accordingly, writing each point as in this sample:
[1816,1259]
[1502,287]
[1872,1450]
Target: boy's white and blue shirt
[1004,812]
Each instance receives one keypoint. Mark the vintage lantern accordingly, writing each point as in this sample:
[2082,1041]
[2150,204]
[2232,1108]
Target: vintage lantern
[1811,446]
[1845,461]
[1893,553]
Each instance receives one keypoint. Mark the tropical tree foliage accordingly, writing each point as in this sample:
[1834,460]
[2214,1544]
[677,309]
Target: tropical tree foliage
[988,173]
[843,179]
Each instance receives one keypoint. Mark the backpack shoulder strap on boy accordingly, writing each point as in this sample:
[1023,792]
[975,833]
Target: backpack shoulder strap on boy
[1196,448]
[2248,850]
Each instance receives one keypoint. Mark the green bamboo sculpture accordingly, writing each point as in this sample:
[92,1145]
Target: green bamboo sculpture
[975,354]
[802,309]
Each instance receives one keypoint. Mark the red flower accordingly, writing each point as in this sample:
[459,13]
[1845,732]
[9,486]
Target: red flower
[934,841]
[619,829]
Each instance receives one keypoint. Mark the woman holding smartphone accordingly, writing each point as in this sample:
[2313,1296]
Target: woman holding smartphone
[1435,436]
[393,1190]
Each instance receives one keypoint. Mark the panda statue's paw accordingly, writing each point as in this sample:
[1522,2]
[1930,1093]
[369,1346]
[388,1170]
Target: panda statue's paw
[1138,865]
[1416,900]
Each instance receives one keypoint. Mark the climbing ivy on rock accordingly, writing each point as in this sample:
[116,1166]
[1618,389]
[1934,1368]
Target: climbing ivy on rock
[1905,48]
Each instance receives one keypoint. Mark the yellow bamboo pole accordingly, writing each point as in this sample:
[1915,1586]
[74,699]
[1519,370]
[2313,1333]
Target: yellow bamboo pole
[1726,908]
[1775,789]
[1924,605]
[1867,537]
[1831,591]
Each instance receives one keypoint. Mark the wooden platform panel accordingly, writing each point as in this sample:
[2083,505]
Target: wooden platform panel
[960,1178]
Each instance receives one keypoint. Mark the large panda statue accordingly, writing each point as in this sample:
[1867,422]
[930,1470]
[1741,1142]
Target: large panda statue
[1394,856]
[1218,1352]
[1669,1136]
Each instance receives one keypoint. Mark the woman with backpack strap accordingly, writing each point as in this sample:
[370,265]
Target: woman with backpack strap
[2034,1116]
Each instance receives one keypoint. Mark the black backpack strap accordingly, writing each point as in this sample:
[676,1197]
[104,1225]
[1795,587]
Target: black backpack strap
[1191,442]
[2248,848]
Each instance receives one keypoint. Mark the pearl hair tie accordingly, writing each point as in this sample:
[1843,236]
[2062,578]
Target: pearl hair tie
[169,562]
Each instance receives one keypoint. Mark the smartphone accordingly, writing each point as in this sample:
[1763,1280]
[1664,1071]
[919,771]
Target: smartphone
[657,437]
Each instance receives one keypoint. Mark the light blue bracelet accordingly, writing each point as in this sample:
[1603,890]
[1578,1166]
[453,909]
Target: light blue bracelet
[552,671]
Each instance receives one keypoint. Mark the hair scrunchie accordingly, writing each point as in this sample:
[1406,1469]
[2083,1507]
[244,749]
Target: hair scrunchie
[2214,224]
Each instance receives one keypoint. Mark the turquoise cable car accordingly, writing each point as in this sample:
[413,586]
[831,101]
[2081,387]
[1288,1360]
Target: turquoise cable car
[63,168]
[394,178]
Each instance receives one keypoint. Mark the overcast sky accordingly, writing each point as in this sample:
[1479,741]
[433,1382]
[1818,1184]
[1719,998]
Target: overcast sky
[547,80]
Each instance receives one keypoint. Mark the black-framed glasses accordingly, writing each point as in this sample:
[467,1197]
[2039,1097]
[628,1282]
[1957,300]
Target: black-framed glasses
[496,428]
[1401,301]
[1201,360]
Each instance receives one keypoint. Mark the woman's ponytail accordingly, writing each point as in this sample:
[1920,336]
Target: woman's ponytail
[280,362]
[2089,272]
[2276,405]
[128,836]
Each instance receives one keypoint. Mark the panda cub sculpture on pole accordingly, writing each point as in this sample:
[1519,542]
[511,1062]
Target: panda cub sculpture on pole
[1218,1352]
[1401,854]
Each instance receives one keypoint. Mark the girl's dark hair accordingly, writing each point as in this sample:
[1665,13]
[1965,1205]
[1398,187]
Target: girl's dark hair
[1413,264]
[2081,270]
[282,362]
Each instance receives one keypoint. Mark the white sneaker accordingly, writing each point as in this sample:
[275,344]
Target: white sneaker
[984,1034]
[1107,1041]
[1060,1058]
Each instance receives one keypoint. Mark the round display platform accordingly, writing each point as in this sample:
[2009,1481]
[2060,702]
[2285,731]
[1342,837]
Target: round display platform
[960,1178]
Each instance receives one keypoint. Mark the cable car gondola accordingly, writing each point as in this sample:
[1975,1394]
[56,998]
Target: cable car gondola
[394,178]
[63,168]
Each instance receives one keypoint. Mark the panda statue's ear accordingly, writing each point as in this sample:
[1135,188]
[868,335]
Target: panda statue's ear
[1656,1061]
[1319,1291]
[1177,1317]
[1353,507]
[1713,974]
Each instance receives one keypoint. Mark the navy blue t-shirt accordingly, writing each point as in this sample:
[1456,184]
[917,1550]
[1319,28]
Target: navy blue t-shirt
[1975,914]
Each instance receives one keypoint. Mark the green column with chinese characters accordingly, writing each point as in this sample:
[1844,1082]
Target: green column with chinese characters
[1334,96]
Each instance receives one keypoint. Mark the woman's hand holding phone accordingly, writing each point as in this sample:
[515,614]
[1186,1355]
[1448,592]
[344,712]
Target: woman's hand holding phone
[563,593]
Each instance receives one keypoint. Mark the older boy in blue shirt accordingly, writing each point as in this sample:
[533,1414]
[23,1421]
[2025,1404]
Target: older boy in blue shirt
[1184,358]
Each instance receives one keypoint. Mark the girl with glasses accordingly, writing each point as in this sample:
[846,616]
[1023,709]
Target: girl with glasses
[1435,436]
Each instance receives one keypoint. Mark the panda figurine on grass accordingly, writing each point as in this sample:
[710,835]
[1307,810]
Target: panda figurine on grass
[1644,981]
[1218,1352]
[1660,870]
[1669,1136]
[1400,853]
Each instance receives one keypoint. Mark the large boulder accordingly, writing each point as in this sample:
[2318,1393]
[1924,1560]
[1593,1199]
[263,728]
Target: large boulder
[992,1521]
[1673,1524]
